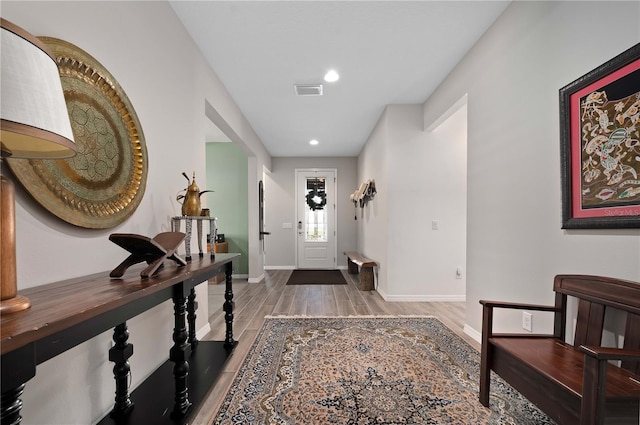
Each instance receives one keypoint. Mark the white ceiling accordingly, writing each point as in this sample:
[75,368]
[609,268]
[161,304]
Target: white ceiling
[386,52]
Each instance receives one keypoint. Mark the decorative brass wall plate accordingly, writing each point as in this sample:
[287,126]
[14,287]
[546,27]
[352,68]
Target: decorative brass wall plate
[104,183]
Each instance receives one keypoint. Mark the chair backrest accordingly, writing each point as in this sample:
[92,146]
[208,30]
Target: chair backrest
[595,294]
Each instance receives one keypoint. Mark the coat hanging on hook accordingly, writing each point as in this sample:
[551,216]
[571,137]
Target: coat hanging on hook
[365,193]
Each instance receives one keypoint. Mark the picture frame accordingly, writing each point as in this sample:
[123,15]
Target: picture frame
[600,146]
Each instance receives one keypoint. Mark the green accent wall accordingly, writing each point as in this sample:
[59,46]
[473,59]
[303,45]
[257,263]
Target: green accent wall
[227,176]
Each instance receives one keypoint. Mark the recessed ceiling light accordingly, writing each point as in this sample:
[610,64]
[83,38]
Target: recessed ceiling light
[313,142]
[331,76]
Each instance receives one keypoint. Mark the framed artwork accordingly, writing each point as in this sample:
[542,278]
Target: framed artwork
[600,146]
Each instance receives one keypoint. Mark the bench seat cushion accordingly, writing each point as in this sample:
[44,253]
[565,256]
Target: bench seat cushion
[563,363]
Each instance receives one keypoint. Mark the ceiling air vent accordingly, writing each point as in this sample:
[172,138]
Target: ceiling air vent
[308,89]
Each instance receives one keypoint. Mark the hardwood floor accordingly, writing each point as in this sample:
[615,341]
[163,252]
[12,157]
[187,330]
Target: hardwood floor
[254,301]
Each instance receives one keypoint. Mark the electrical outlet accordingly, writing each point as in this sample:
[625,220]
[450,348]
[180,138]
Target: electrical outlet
[435,225]
[527,318]
[459,273]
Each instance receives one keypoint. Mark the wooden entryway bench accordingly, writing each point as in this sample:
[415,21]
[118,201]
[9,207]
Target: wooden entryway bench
[355,260]
[572,384]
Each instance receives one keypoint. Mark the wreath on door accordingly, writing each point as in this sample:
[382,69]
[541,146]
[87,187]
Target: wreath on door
[316,199]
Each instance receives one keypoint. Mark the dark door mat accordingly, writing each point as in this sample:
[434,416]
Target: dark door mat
[316,277]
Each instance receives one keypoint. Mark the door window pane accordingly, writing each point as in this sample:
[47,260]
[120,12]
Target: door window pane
[315,211]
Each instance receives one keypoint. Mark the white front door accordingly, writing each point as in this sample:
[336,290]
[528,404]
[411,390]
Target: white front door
[316,217]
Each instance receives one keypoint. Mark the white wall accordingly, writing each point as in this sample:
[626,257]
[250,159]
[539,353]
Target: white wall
[373,220]
[280,208]
[427,175]
[512,77]
[421,177]
[145,47]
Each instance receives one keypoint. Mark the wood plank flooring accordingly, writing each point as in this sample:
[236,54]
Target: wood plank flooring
[254,301]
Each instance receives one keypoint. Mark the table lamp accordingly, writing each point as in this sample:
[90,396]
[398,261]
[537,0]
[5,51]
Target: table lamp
[35,124]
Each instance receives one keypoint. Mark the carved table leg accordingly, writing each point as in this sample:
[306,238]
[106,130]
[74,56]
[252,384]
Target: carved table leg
[17,367]
[11,406]
[178,355]
[228,306]
[119,354]
[192,306]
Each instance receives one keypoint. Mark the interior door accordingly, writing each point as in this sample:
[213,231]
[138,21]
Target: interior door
[316,214]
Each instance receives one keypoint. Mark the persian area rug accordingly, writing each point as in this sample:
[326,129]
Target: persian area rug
[366,370]
[316,277]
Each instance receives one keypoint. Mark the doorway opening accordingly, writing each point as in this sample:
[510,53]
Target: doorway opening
[227,177]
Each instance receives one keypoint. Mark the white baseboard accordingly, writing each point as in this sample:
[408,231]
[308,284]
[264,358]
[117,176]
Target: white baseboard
[203,331]
[256,279]
[279,267]
[477,336]
[424,298]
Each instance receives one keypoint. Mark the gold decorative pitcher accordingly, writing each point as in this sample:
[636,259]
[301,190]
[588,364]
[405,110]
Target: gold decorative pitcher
[191,205]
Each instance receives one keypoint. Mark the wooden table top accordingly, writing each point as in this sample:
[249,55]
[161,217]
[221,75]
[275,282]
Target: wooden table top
[60,305]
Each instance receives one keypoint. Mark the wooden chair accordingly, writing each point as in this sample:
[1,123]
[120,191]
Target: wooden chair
[572,384]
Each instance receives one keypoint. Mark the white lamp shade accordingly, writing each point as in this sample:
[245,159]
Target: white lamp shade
[35,122]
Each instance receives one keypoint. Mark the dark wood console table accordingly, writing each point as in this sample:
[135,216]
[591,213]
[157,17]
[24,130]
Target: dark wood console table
[67,313]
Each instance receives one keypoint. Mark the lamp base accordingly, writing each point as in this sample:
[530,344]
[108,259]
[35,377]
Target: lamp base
[10,301]
[12,305]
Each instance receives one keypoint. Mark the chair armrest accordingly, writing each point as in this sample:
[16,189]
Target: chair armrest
[487,313]
[610,353]
[594,376]
[518,306]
